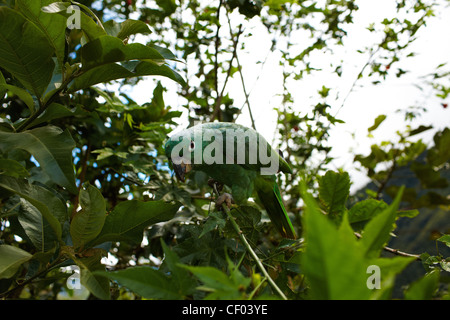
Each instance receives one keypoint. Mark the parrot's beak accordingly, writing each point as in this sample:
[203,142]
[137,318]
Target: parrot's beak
[181,170]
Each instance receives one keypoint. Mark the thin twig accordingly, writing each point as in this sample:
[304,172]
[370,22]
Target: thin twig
[395,251]
[249,248]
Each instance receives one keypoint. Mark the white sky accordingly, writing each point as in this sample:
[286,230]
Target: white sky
[363,105]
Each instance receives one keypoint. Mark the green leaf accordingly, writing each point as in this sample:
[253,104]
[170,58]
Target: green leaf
[130,27]
[2,88]
[366,210]
[52,112]
[51,147]
[25,51]
[11,258]
[389,269]
[445,239]
[377,231]
[36,227]
[377,122]
[12,168]
[97,284]
[91,29]
[107,49]
[88,222]
[420,129]
[114,71]
[217,282]
[52,208]
[180,276]
[334,189]
[129,218]
[424,288]
[53,26]
[333,260]
[146,282]
[441,152]
[21,93]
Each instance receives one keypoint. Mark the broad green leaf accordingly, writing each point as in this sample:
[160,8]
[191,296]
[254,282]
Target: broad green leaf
[218,283]
[51,147]
[37,228]
[53,26]
[333,260]
[377,122]
[25,51]
[146,282]
[424,288]
[52,208]
[97,284]
[11,258]
[334,189]
[366,210]
[53,111]
[13,168]
[129,218]
[180,276]
[130,27]
[21,93]
[377,231]
[107,49]
[91,29]
[114,71]
[88,222]
[212,278]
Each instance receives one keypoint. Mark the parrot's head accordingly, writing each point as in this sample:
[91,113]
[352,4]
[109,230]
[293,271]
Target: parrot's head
[179,150]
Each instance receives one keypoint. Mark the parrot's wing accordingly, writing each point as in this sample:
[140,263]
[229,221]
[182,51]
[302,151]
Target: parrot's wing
[270,196]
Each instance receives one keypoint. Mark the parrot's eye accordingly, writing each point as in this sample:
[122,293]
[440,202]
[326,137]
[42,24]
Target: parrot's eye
[191,146]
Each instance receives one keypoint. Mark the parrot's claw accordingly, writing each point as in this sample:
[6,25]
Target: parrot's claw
[215,184]
[224,198]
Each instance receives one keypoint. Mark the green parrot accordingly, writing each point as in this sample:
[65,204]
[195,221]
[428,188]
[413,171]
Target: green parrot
[235,156]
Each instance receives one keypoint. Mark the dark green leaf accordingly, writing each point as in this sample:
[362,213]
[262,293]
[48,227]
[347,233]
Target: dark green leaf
[36,227]
[51,147]
[12,168]
[25,51]
[50,206]
[129,218]
[146,281]
[53,26]
[88,222]
[11,258]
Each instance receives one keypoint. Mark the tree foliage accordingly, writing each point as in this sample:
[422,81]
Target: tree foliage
[86,193]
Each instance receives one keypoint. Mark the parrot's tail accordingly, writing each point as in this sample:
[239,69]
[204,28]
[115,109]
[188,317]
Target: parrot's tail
[274,206]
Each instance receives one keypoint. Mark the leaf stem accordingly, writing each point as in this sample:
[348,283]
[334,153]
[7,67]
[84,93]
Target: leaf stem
[249,248]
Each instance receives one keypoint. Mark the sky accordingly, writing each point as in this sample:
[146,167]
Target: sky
[362,105]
